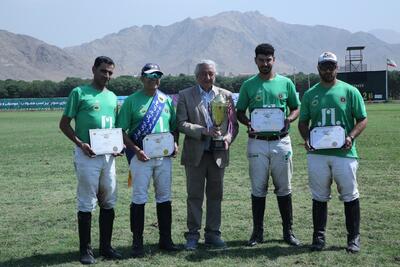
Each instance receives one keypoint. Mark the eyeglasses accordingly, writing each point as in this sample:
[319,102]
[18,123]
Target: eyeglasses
[327,66]
[152,76]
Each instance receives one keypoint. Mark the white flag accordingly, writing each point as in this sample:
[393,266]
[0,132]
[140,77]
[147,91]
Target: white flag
[391,63]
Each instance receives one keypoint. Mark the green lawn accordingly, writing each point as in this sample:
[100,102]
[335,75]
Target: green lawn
[38,216]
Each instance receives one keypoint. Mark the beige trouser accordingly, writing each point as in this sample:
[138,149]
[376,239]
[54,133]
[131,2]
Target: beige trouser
[270,157]
[323,169]
[206,176]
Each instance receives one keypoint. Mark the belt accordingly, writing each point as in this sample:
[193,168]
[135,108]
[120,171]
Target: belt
[268,138]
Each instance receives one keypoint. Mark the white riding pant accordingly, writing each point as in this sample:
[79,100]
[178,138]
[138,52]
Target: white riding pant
[161,171]
[96,181]
[322,170]
[270,158]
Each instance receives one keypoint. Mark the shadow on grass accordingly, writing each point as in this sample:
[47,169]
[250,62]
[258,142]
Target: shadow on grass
[239,250]
[56,258]
[51,259]
[235,249]
[43,259]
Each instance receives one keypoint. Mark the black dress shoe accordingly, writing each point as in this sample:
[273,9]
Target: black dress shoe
[137,250]
[191,244]
[86,256]
[168,246]
[215,242]
[290,239]
[318,242]
[317,246]
[110,254]
[256,238]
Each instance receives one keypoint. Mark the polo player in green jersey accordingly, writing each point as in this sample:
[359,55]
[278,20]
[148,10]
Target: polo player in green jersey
[333,106]
[93,106]
[269,151]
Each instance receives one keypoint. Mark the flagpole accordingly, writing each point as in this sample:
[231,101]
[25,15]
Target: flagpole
[387,92]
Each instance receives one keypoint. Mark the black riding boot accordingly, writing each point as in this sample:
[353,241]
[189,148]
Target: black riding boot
[285,208]
[257,207]
[106,221]
[164,216]
[320,216]
[137,227]
[85,249]
[352,213]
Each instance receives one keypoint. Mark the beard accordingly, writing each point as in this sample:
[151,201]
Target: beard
[327,77]
[265,69]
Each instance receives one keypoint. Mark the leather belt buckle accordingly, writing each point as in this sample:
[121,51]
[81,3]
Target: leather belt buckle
[267,138]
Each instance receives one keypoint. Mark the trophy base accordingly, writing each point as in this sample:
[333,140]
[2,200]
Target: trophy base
[217,145]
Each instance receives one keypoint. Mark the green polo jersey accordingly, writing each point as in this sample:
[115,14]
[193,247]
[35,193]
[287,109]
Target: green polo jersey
[340,105]
[135,107]
[278,92]
[91,109]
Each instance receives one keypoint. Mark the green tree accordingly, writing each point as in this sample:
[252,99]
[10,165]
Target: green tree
[3,90]
[13,88]
[45,88]
[65,87]
[125,85]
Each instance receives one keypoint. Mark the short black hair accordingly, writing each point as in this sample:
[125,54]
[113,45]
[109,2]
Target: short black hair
[265,49]
[103,59]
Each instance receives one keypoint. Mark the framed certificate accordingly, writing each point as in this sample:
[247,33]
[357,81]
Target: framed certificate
[267,119]
[106,141]
[158,145]
[327,137]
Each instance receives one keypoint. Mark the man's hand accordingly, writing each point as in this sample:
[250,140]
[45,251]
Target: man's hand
[286,125]
[87,150]
[212,131]
[141,155]
[250,129]
[307,145]
[176,150]
[348,143]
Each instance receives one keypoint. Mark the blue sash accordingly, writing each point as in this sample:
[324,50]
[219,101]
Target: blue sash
[148,122]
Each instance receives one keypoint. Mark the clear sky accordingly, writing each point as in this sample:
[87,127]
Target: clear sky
[73,22]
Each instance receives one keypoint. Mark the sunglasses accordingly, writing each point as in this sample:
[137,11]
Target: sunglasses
[152,76]
[327,66]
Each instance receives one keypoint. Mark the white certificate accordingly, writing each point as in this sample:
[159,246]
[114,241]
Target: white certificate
[158,145]
[267,119]
[327,137]
[106,141]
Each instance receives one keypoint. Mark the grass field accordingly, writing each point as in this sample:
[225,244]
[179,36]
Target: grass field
[38,225]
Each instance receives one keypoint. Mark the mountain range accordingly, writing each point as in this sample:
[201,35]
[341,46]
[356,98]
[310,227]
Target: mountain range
[229,38]
[389,36]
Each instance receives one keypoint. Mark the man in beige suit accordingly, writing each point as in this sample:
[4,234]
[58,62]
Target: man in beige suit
[204,166]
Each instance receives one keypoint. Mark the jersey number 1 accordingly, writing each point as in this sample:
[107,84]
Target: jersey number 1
[328,111]
[106,122]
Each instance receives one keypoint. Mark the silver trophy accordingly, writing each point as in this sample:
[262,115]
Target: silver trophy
[219,113]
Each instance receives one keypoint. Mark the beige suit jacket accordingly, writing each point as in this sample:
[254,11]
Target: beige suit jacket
[191,121]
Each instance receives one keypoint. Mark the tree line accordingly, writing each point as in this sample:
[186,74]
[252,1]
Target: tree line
[126,85]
